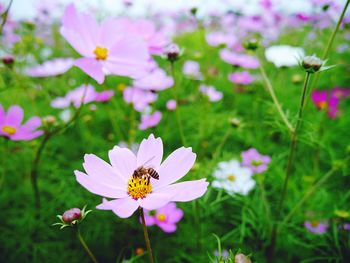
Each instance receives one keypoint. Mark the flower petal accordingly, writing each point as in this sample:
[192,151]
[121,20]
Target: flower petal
[175,166]
[98,188]
[167,227]
[150,153]
[185,191]
[154,201]
[14,116]
[91,67]
[123,160]
[123,208]
[32,124]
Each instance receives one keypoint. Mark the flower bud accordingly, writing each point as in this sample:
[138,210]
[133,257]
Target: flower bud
[49,120]
[194,11]
[8,60]
[235,122]
[72,214]
[139,251]
[241,258]
[172,52]
[251,44]
[312,63]
[297,79]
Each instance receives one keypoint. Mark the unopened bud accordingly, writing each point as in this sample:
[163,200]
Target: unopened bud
[8,60]
[49,120]
[235,122]
[194,11]
[251,44]
[72,214]
[312,63]
[241,258]
[172,52]
[139,251]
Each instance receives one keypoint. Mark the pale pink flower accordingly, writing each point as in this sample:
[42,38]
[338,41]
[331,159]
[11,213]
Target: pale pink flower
[116,180]
[155,80]
[11,127]
[150,120]
[192,69]
[107,48]
[241,78]
[316,227]
[165,217]
[212,94]
[139,98]
[239,60]
[171,105]
[51,68]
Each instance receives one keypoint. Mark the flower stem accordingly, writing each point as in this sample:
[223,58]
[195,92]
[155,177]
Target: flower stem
[4,17]
[86,247]
[3,163]
[145,233]
[177,111]
[275,100]
[291,155]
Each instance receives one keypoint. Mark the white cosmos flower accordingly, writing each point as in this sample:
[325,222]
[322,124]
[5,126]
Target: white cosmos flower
[233,178]
[284,55]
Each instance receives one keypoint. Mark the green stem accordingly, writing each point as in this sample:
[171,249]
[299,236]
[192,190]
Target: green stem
[3,163]
[274,99]
[145,233]
[86,247]
[177,110]
[4,17]
[132,128]
[290,162]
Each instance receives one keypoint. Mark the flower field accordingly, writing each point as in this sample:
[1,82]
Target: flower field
[179,136]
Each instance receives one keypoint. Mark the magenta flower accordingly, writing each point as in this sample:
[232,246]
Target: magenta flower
[116,180]
[192,69]
[150,120]
[165,217]
[107,48]
[85,94]
[139,98]
[212,94]
[241,78]
[156,80]
[11,128]
[171,105]
[239,60]
[255,161]
[316,227]
[50,68]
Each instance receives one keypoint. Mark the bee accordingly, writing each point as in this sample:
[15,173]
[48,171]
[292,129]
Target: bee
[146,172]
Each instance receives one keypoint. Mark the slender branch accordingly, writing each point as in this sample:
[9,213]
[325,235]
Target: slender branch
[5,16]
[145,233]
[85,246]
[275,100]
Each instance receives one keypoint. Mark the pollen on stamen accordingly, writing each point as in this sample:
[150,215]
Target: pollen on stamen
[139,188]
[101,53]
[9,130]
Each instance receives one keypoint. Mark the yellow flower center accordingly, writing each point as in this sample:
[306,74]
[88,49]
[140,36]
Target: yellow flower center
[101,53]
[139,187]
[9,130]
[231,177]
[315,223]
[121,87]
[256,162]
[322,105]
[161,217]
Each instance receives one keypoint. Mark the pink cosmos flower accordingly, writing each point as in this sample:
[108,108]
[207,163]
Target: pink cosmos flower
[139,98]
[192,69]
[107,48]
[211,93]
[156,80]
[150,120]
[241,78]
[239,60]
[171,105]
[219,38]
[116,180]
[165,217]
[255,161]
[75,97]
[11,128]
[51,68]
[316,227]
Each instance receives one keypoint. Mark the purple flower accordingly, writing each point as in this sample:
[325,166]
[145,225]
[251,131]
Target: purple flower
[316,227]
[149,121]
[211,93]
[239,60]
[10,125]
[156,80]
[241,78]
[165,217]
[107,48]
[51,68]
[85,94]
[192,69]
[255,161]
[139,98]
[346,226]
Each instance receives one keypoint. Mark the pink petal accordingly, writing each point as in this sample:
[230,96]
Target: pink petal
[101,171]
[123,160]
[25,135]
[175,166]
[96,187]
[2,114]
[154,201]
[14,116]
[150,221]
[150,153]
[167,227]
[185,191]
[32,124]
[123,208]
[92,67]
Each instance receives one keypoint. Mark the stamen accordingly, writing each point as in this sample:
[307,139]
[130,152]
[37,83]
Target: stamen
[9,130]
[139,187]
[231,177]
[101,53]
[256,162]
[161,217]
